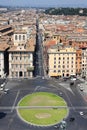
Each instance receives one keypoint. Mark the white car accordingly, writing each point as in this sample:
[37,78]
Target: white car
[73,79]
[6,90]
[1,89]
[81,113]
[81,88]
[2,85]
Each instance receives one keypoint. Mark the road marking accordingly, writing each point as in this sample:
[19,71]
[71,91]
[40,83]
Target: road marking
[15,101]
[37,87]
[66,86]
[66,96]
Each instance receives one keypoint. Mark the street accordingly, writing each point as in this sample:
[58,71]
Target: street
[11,121]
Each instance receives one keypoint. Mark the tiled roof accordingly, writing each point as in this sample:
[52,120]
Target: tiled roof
[3,46]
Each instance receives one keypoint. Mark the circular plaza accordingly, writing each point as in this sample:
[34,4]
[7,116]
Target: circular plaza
[42,109]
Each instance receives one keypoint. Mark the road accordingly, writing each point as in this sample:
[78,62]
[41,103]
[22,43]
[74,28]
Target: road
[11,121]
[39,68]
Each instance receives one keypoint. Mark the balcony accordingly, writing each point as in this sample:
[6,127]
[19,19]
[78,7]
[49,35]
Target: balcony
[30,68]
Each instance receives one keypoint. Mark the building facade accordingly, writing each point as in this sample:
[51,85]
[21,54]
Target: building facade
[84,63]
[21,62]
[61,61]
[78,61]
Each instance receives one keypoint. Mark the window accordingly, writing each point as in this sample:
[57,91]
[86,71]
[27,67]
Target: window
[54,62]
[20,66]
[54,58]
[19,37]
[28,73]
[15,37]
[54,66]
[59,58]
[29,55]
[16,74]
[58,66]
[24,74]
[20,57]
[23,37]
[12,57]
[63,66]
[16,57]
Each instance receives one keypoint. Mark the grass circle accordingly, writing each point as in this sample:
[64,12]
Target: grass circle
[42,109]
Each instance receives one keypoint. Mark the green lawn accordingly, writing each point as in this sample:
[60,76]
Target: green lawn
[43,116]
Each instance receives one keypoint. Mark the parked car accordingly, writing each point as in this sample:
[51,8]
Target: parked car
[81,88]
[71,82]
[81,113]
[72,119]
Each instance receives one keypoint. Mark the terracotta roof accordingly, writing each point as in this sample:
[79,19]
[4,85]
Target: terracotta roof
[51,42]
[4,27]
[28,48]
[3,46]
[20,32]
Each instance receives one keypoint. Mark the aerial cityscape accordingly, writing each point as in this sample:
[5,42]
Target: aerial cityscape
[43,65]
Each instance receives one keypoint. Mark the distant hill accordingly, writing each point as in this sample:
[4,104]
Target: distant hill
[67,11]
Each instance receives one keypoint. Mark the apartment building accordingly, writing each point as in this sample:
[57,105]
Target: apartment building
[61,61]
[20,37]
[21,55]
[84,63]
[78,61]
[21,61]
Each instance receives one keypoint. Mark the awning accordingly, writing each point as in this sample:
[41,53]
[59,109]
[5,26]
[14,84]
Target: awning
[55,74]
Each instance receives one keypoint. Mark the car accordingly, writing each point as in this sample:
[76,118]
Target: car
[81,113]
[81,88]
[6,90]
[56,126]
[73,79]
[43,77]
[2,85]
[72,119]
[71,82]
[1,89]
[61,94]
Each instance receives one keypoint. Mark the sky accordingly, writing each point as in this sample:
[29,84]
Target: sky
[45,3]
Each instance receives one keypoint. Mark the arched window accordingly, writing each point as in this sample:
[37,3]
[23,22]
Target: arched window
[23,37]
[15,37]
[19,37]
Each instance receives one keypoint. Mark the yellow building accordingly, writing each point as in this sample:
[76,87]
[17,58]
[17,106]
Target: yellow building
[61,61]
